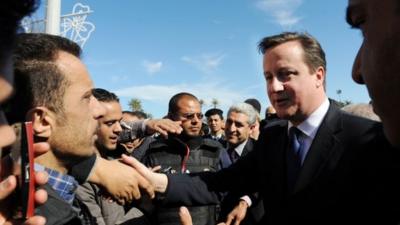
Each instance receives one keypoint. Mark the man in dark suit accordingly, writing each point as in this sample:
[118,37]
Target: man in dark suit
[241,119]
[318,165]
[215,121]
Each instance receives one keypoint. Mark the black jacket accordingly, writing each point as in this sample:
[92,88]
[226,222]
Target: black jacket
[175,156]
[231,199]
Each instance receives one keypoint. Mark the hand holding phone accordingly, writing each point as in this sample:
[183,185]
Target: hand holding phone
[22,155]
[27,177]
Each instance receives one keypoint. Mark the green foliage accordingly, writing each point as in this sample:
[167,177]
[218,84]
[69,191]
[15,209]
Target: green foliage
[136,105]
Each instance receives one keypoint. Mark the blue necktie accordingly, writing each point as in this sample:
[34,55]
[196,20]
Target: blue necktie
[294,155]
[233,155]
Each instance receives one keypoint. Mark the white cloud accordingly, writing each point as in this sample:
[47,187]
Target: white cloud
[205,91]
[283,11]
[205,62]
[152,67]
[119,78]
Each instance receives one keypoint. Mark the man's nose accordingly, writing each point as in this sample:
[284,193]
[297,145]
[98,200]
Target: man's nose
[275,85]
[195,119]
[118,128]
[356,72]
[231,128]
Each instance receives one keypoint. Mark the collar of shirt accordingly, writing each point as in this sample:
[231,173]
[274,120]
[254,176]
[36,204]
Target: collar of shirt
[63,184]
[216,137]
[240,147]
[310,126]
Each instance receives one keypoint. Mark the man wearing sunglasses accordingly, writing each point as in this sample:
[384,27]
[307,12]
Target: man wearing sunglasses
[188,152]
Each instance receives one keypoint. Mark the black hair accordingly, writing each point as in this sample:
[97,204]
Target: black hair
[102,95]
[173,102]
[38,79]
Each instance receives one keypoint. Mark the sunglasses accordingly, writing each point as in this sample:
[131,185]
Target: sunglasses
[190,116]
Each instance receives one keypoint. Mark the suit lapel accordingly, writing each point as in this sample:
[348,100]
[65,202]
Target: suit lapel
[324,150]
[275,158]
[248,147]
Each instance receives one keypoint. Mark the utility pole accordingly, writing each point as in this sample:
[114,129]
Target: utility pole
[73,26]
[53,16]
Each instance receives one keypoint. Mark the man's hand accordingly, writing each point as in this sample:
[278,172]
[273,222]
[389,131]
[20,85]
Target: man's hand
[9,170]
[163,126]
[158,180]
[7,187]
[186,218]
[238,213]
[122,182]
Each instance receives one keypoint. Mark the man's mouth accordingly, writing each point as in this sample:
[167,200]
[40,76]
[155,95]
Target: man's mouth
[281,101]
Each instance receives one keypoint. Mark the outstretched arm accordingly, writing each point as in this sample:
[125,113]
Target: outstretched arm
[122,182]
[140,128]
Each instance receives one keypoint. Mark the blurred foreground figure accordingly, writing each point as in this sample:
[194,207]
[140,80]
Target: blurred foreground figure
[378,61]
[11,12]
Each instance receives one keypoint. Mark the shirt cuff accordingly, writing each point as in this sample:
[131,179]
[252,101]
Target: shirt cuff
[247,199]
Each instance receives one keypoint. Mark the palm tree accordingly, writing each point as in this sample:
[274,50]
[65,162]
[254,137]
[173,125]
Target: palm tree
[135,105]
[201,101]
[339,92]
[215,102]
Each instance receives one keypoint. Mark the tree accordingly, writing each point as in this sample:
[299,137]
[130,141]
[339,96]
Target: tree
[215,102]
[201,101]
[339,92]
[135,105]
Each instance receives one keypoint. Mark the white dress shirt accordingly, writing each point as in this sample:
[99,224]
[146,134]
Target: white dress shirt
[310,126]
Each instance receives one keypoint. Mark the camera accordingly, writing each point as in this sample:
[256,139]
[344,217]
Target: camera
[126,134]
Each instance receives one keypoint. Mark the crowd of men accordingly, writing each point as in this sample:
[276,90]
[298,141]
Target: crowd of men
[307,162]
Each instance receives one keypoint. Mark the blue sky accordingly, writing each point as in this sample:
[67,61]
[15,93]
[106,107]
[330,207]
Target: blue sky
[151,50]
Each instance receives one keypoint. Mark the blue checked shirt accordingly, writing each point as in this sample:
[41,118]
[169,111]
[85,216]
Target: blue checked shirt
[63,184]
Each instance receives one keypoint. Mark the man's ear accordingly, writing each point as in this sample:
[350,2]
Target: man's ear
[43,121]
[320,75]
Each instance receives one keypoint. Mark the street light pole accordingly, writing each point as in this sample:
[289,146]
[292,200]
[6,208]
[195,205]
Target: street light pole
[53,15]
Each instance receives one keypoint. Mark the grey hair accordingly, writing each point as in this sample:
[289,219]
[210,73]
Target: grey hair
[246,109]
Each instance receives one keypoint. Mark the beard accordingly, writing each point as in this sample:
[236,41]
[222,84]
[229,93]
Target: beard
[70,146]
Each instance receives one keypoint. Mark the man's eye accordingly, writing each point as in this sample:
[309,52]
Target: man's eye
[285,74]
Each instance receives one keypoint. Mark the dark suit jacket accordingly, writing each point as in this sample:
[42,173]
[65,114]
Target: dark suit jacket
[350,176]
[231,199]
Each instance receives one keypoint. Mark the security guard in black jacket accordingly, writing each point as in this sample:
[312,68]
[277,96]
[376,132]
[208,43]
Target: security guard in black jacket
[185,153]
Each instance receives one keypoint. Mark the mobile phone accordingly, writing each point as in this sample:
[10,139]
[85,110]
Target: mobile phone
[22,155]
[27,177]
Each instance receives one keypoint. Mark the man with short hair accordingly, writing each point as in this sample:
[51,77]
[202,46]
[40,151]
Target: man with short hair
[318,165]
[215,121]
[109,125]
[240,121]
[100,207]
[54,92]
[377,63]
[186,153]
